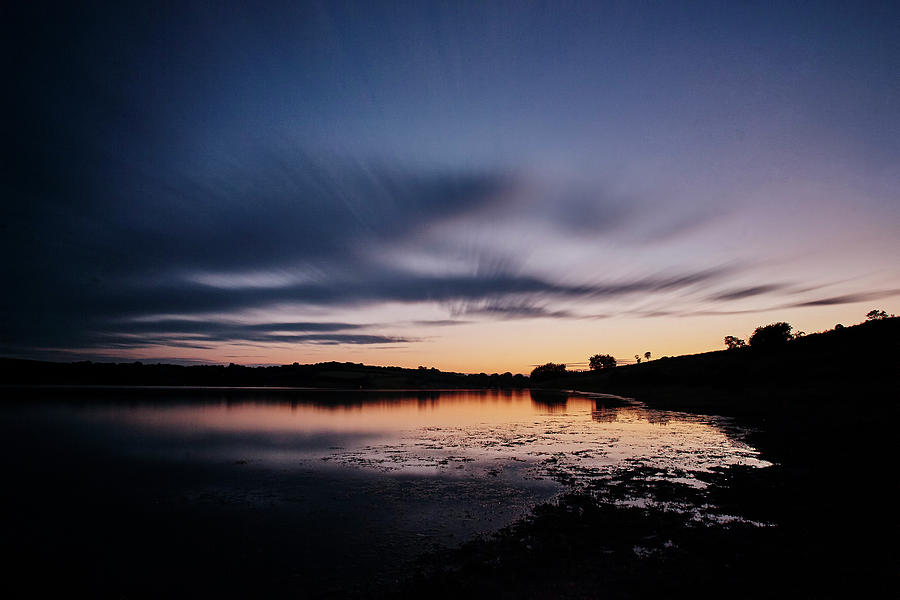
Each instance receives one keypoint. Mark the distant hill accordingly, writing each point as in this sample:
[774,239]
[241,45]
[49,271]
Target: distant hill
[838,364]
[320,375]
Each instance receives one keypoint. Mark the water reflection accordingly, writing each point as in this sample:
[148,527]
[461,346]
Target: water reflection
[604,414]
[519,436]
[549,401]
[376,477]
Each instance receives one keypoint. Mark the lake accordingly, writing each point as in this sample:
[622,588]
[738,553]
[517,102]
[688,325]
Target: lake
[147,491]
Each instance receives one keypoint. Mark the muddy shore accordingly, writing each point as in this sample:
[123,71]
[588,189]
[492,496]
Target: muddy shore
[818,523]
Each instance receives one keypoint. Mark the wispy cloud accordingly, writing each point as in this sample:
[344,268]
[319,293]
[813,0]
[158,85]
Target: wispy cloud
[235,162]
[508,309]
[746,292]
[847,298]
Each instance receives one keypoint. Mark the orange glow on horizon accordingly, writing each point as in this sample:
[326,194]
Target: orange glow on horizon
[517,345]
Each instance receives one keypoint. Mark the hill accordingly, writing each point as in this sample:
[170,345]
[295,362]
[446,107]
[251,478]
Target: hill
[836,365]
[823,409]
[320,375]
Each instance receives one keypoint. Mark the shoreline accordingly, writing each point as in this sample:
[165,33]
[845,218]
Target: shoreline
[824,541]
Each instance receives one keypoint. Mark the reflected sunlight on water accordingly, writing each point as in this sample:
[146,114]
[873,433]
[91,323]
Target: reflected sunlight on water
[517,435]
[375,477]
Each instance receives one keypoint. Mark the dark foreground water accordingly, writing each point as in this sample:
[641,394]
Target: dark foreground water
[148,492]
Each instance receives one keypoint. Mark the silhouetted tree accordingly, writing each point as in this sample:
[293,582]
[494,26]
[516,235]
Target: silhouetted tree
[876,315]
[646,356]
[772,335]
[637,358]
[602,361]
[732,342]
[548,371]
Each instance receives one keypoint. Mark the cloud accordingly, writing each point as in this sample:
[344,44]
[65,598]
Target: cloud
[508,309]
[440,322]
[206,333]
[183,173]
[496,291]
[827,301]
[112,237]
[847,298]
[216,336]
[746,292]
[227,330]
[118,316]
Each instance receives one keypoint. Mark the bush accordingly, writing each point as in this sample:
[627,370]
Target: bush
[602,361]
[770,336]
[548,371]
[732,342]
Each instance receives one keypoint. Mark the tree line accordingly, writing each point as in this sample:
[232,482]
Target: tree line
[778,334]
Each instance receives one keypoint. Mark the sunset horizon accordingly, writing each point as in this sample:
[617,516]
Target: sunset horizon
[450,299]
[465,187]
[568,344]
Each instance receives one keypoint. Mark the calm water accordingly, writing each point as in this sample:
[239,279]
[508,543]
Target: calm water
[193,481]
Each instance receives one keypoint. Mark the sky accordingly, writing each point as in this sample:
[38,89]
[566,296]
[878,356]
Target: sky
[473,186]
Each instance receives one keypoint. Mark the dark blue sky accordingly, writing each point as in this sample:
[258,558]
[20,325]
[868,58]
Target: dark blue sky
[400,182]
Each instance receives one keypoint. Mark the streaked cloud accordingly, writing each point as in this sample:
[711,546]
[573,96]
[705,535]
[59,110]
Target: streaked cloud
[234,176]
